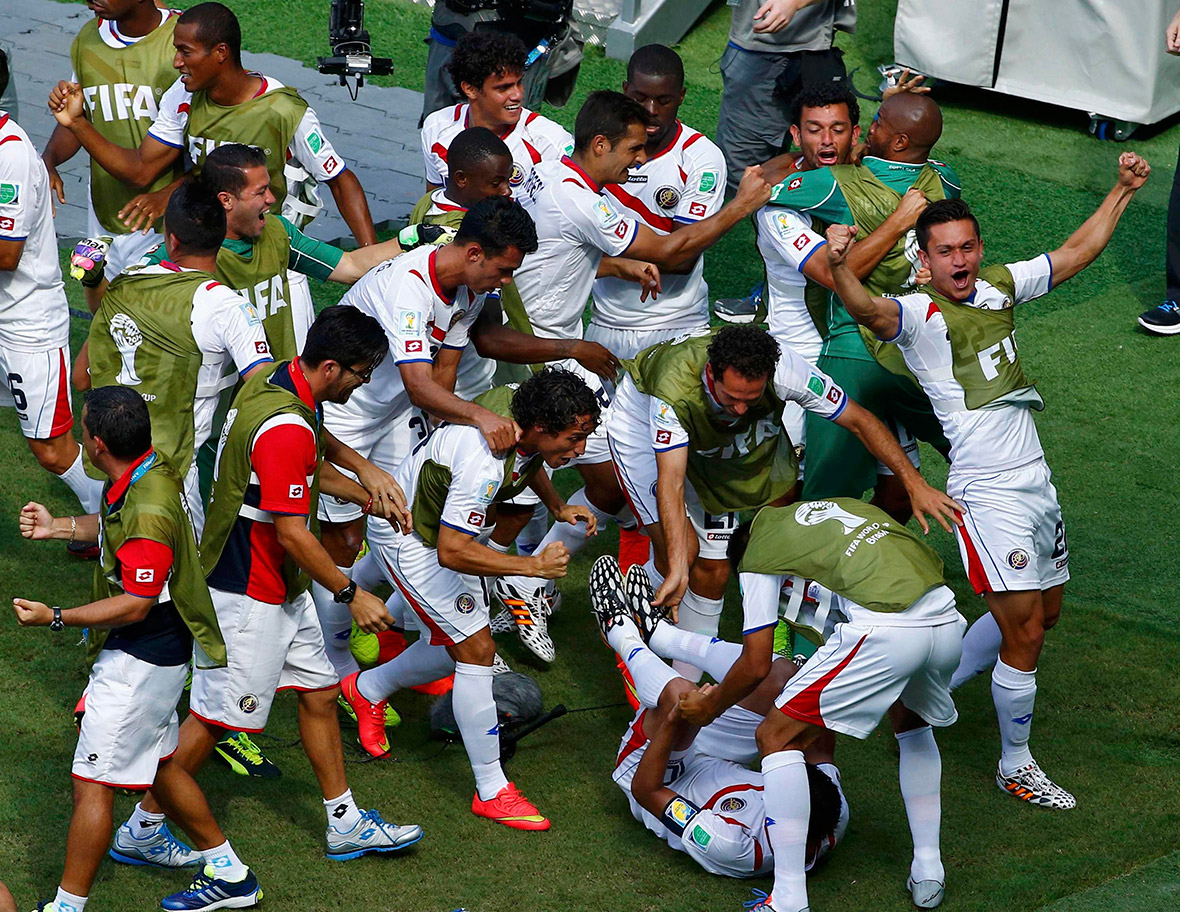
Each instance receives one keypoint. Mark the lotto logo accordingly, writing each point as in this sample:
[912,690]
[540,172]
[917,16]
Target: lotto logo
[621,229]
[295,492]
[697,209]
[331,164]
[414,345]
[795,184]
[801,242]
[834,394]
[7,224]
[475,518]
[663,436]
[145,575]
[262,348]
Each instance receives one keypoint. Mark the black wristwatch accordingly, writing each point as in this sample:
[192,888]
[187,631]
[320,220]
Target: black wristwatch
[345,595]
[57,623]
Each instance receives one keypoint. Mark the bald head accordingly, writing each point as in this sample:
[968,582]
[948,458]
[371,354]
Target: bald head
[906,128]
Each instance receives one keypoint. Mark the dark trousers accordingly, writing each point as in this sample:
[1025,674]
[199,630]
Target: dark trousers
[1173,256]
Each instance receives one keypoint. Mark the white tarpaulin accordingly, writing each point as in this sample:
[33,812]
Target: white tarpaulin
[1106,56]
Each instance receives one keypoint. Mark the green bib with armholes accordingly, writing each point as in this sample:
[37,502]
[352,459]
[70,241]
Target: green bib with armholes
[262,278]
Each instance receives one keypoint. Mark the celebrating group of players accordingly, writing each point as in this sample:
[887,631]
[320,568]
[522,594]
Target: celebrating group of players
[424,415]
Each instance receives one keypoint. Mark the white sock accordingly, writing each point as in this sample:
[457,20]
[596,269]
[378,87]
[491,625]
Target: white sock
[398,609]
[88,490]
[144,825]
[421,663]
[342,812]
[981,649]
[367,572]
[919,770]
[698,615]
[68,902]
[225,861]
[695,649]
[530,536]
[574,537]
[788,810]
[1014,693]
[649,672]
[336,623]
[475,714]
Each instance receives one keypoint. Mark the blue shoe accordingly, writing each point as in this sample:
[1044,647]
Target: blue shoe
[1163,320]
[160,848]
[208,891]
[371,834]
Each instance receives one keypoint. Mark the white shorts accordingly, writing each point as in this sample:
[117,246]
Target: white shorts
[130,723]
[476,375]
[596,448]
[853,679]
[450,606]
[627,343]
[37,385]
[126,249]
[909,446]
[386,446]
[1012,537]
[270,648]
[635,466]
[192,498]
[731,736]
[302,307]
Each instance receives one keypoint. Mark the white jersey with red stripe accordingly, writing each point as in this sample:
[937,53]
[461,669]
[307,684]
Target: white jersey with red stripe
[577,224]
[34,315]
[786,240]
[419,319]
[534,139]
[683,183]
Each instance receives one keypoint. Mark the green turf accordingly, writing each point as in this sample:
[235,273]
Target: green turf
[1106,722]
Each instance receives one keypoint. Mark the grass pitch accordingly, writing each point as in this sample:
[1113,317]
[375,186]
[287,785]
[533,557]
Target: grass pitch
[1106,721]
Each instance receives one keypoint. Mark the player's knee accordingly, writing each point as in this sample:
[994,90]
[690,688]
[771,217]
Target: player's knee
[479,650]
[709,577]
[672,692]
[771,735]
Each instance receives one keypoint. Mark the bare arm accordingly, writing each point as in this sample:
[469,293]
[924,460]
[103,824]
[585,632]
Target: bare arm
[355,263]
[542,484]
[354,208]
[36,524]
[880,315]
[743,677]
[647,783]
[428,395]
[62,146]
[671,466]
[116,611]
[10,252]
[462,553]
[495,339]
[1084,245]
[388,500]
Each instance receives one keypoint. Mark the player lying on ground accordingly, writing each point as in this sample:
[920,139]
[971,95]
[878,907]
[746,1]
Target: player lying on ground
[958,337]
[692,787]
[140,646]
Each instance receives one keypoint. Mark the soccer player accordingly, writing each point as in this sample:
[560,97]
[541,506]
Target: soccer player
[35,318]
[258,553]
[169,331]
[691,787]
[957,335]
[487,68]
[455,480]
[122,61]
[150,602]
[425,302]
[903,132]
[679,181]
[892,639]
[696,429]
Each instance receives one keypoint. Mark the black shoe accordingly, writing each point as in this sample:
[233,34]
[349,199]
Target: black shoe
[741,310]
[1163,320]
[244,757]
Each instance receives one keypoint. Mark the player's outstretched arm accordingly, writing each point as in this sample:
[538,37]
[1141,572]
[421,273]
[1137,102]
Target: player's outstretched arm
[1085,244]
[677,250]
[542,486]
[135,167]
[425,393]
[354,208]
[355,263]
[742,679]
[647,784]
[864,255]
[459,551]
[38,524]
[495,339]
[881,315]
[116,611]
[377,490]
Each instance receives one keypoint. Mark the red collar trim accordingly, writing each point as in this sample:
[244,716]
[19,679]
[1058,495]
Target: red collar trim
[302,387]
[671,143]
[262,89]
[434,279]
[445,203]
[573,165]
[170,266]
[119,488]
[504,135]
[3,121]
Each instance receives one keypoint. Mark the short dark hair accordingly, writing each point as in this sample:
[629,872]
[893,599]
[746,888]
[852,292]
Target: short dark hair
[485,53]
[940,212]
[197,218]
[496,224]
[474,146]
[749,350]
[343,334]
[656,60]
[739,541]
[826,805]
[554,399]
[608,114]
[821,95]
[119,417]
[216,24]
[224,169]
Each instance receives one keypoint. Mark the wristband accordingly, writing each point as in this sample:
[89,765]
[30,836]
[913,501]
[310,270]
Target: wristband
[368,507]
[73,528]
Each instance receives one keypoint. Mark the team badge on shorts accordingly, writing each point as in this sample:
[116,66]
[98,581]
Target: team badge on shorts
[248,703]
[667,197]
[465,603]
[1017,559]
[516,175]
[730,805]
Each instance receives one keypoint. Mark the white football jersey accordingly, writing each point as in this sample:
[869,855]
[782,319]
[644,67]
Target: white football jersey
[786,241]
[404,296]
[685,182]
[987,440]
[34,315]
[534,139]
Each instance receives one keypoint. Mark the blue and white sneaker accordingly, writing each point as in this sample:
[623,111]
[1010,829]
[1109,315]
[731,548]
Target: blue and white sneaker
[208,891]
[160,848]
[1163,320]
[371,834]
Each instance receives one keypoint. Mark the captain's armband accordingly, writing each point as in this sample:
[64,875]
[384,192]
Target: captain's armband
[678,814]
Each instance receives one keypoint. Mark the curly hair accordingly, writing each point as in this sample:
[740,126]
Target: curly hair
[479,55]
[554,399]
[747,349]
[821,95]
